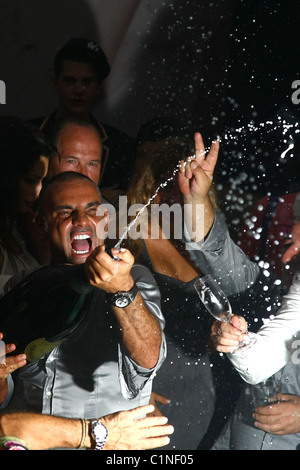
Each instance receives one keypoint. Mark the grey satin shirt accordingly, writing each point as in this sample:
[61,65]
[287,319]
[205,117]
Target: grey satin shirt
[220,257]
[89,375]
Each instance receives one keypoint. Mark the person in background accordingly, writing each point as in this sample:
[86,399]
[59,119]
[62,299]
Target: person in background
[78,145]
[153,135]
[268,231]
[81,68]
[79,148]
[183,389]
[24,155]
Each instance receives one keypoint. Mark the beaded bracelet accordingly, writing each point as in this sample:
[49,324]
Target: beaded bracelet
[85,428]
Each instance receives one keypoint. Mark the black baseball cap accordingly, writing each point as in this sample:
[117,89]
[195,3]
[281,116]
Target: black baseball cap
[83,50]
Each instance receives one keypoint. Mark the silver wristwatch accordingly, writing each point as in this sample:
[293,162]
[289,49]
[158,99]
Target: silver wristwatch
[99,434]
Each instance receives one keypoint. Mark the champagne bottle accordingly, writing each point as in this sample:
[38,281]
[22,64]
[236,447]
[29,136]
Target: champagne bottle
[44,309]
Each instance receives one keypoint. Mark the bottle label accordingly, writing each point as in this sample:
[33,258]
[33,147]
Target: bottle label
[39,348]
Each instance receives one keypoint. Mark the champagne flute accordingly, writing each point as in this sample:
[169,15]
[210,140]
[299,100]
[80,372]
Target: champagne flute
[265,393]
[217,303]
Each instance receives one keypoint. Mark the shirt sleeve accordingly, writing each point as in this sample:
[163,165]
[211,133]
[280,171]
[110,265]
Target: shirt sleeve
[220,257]
[277,342]
[133,377]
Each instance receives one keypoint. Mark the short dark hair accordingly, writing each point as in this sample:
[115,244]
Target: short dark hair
[62,178]
[86,51]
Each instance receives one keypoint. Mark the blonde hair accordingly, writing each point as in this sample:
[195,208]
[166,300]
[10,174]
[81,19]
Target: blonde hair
[160,168]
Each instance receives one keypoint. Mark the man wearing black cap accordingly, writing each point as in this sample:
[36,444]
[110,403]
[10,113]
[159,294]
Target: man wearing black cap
[80,68]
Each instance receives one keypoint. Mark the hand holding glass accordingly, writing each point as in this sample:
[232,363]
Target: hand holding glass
[216,302]
[265,393]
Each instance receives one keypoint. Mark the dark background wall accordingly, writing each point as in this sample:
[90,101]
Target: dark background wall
[223,66]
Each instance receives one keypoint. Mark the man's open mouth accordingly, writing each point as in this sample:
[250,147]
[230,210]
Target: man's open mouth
[81,244]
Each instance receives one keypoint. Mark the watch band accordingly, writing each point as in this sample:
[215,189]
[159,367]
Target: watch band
[99,434]
[122,299]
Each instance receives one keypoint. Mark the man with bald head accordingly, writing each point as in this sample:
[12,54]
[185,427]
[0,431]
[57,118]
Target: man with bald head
[107,364]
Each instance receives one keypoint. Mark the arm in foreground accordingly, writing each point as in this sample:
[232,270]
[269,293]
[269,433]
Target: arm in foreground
[125,430]
[140,329]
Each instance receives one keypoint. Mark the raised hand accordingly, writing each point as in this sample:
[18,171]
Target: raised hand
[196,173]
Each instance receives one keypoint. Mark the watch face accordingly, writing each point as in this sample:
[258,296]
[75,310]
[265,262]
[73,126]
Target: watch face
[122,301]
[100,431]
